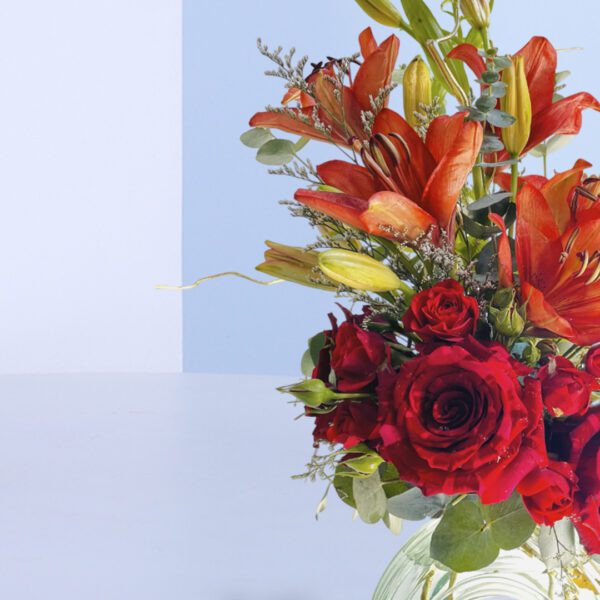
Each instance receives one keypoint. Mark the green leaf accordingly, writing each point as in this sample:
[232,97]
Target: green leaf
[370,499]
[499,118]
[509,522]
[390,479]
[462,541]
[470,534]
[276,152]
[343,485]
[556,142]
[315,345]
[488,201]
[489,77]
[560,76]
[306,364]
[256,137]
[485,103]
[502,62]
[412,505]
[498,89]
[481,232]
[491,143]
[393,523]
[502,163]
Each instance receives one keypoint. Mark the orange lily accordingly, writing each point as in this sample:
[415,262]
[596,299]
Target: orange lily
[407,186]
[332,112]
[548,117]
[558,257]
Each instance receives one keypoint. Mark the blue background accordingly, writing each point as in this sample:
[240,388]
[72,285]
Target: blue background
[230,203]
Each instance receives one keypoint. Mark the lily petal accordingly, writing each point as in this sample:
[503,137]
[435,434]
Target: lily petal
[391,210]
[505,265]
[353,180]
[562,117]
[470,56]
[344,208]
[448,178]
[367,42]
[540,68]
[539,312]
[376,72]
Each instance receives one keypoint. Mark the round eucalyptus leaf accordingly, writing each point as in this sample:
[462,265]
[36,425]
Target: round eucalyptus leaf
[276,152]
[499,118]
[256,137]
[370,499]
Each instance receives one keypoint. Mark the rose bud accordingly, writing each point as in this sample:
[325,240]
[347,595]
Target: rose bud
[314,392]
[517,103]
[476,12]
[531,353]
[293,264]
[592,361]
[442,313]
[382,11]
[416,86]
[507,318]
[548,493]
[566,390]
[358,271]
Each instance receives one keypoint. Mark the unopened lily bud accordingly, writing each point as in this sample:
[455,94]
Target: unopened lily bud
[294,264]
[516,102]
[358,271]
[476,12]
[382,11]
[416,86]
[505,315]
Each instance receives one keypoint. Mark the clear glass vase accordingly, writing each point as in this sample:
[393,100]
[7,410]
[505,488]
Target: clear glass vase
[518,574]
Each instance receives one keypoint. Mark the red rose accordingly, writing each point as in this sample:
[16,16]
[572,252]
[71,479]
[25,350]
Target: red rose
[548,493]
[566,390]
[459,420]
[350,423]
[357,356]
[442,313]
[592,361]
[584,457]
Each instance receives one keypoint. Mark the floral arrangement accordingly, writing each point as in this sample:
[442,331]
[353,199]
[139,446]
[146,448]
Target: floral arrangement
[462,384]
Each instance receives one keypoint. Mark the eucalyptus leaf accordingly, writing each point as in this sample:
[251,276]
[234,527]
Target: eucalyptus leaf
[370,499]
[502,62]
[315,345]
[412,505]
[392,486]
[556,142]
[558,547]
[488,201]
[462,541]
[491,143]
[502,163]
[393,523]
[489,77]
[499,118]
[485,258]
[560,76]
[256,137]
[276,152]
[478,230]
[510,523]
[343,485]
[471,534]
[306,364]
[498,89]
[485,103]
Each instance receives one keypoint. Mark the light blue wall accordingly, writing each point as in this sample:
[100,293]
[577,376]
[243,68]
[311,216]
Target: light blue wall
[230,203]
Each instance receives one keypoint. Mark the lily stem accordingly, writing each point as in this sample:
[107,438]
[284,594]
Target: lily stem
[514,185]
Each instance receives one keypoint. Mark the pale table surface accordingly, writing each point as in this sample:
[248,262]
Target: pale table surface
[169,487]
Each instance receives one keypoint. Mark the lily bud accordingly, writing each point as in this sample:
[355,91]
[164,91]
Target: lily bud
[517,103]
[358,271]
[382,11]
[476,12]
[416,86]
[294,264]
[507,318]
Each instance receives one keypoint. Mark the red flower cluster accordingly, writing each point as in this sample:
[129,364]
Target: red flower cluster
[464,416]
